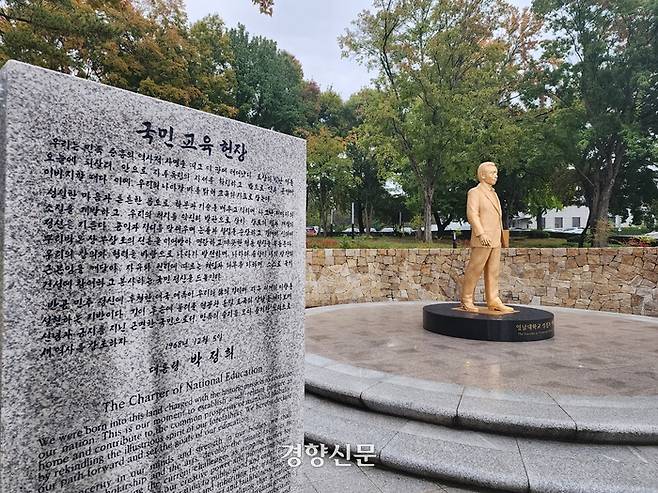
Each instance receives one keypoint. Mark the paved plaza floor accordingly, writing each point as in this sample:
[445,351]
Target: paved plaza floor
[592,353]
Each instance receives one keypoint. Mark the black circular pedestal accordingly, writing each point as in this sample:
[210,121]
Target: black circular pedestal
[526,324]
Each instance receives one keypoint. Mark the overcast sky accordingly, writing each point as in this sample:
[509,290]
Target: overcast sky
[308,29]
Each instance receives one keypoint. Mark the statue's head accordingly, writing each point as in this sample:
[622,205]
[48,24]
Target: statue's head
[488,173]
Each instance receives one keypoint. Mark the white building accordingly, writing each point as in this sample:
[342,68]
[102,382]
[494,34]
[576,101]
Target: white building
[569,217]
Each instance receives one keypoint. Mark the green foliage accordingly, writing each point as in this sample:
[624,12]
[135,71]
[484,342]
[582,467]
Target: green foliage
[538,234]
[328,172]
[214,73]
[145,48]
[333,114]
[346,242]
[601,71]
[444,68]
[370,166]
[269,83]
[632,230]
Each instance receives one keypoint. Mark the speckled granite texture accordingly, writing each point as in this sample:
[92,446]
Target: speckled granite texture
[152,293]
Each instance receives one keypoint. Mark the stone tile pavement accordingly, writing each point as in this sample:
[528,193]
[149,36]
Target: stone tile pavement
[592,353]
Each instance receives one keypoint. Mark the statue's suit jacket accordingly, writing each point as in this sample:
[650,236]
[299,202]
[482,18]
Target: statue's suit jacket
[484,215]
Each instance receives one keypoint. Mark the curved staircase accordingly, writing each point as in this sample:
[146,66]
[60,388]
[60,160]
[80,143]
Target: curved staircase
[505,441]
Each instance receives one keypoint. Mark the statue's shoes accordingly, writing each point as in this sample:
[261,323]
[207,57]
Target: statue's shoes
[469,307]
[499,307]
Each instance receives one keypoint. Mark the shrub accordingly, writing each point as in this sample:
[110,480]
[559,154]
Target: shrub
[643,241]
[321,242]
[537,233]
[346,242]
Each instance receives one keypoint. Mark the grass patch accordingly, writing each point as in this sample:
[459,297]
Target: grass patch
[386,242]
[542,243]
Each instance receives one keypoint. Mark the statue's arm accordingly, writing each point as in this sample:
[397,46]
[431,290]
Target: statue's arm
[473,212]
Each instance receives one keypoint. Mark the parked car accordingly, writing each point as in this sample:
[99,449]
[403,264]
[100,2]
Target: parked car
[311,231]
[356,230]
[387,229]
[653,234]
[575,231]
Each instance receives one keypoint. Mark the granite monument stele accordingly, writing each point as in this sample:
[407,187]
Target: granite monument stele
[152,293]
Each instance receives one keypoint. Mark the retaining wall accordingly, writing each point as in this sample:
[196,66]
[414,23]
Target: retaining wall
[609,279]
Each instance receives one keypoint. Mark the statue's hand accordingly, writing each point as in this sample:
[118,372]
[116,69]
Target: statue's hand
[484,239]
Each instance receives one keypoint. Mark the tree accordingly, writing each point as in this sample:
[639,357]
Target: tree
[371,158]
[71,37]
[328,172]
[213,70]
[334,114]
[368,172]
[146,49]
[166,57]
[269,83]
[311,103]
[440,63]
[637,192]
[602,70]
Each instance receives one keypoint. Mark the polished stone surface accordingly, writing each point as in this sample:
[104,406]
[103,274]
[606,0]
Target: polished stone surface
[592,353]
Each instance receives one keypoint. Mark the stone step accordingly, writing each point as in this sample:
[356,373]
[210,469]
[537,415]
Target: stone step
[326,477]
[479,459]
[584,419]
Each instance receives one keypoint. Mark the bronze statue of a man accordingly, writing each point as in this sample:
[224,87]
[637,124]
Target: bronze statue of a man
[485,217]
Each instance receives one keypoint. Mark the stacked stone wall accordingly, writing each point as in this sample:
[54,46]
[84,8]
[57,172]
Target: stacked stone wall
[609,279]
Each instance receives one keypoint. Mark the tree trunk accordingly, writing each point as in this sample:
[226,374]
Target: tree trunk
[369,215]
[583,235]
[599,220]
[598,215]
[603,184]
[322,206]
[441,225]
[540,220]
[428,195]
[359,215]
[505,216]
